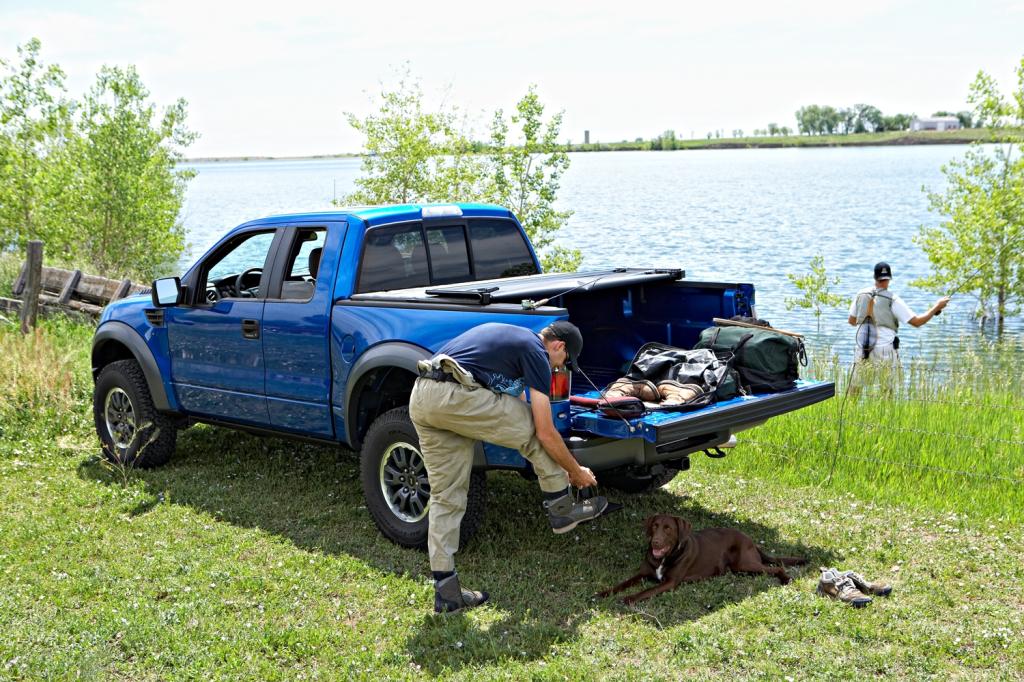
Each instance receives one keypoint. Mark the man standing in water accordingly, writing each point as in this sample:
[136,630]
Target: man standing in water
[877,313]
[473,390]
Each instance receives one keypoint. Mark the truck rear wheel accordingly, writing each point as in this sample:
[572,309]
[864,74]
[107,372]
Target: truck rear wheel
[396,487]
[131,431]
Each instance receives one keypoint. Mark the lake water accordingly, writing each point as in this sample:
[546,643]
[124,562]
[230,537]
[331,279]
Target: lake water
[734,215]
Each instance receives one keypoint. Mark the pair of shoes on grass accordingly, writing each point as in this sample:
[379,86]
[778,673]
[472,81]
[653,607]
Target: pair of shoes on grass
[850,587]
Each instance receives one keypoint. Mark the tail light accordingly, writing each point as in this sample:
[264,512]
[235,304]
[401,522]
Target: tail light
[561,384]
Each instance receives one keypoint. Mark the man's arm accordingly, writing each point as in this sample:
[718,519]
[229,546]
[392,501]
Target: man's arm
[853,321]
[548,435]
[918,320]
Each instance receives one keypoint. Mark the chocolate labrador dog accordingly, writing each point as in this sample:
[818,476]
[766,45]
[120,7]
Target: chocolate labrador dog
[676,555]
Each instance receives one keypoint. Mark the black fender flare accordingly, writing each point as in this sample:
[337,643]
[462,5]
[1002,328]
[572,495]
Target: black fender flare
[398,354]
[121,333]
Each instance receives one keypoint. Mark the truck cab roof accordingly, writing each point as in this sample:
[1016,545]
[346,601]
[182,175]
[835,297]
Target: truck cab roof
[378,215]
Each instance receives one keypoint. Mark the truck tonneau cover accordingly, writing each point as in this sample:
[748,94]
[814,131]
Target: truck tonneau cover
[515,289]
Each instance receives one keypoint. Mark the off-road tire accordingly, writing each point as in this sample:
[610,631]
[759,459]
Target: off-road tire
[394,435]
[636,482]
[151,439]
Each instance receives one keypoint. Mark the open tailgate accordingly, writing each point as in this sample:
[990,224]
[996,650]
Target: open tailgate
[731,415]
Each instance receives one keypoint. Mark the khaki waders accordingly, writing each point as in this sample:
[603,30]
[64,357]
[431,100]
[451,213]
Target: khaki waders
[450,416]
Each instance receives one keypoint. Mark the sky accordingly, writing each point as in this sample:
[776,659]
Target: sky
[277,78]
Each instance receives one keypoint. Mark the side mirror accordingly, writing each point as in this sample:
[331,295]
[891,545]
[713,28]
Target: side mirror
[166,292]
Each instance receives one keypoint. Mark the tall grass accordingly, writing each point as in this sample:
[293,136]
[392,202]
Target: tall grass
[45,385]
[947,433]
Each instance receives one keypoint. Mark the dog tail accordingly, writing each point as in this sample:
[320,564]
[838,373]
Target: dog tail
[782,560]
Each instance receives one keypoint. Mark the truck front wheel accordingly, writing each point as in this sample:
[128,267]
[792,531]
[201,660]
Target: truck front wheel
[396,487]
[130,429]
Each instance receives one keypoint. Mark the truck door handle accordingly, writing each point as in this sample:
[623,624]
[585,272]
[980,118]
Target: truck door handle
[251,329]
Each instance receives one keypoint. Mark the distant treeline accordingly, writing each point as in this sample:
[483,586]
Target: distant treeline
[813,119]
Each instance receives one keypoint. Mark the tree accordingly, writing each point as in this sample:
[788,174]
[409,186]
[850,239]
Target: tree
[525,175]
[785,131]
[965,119]
[34,123]
[413,155]
[128,190]
[867,118]
[816,288]
[773,129]
[895,122]
[979,247]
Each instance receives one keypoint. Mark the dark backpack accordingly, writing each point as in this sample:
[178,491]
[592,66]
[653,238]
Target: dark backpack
[767,361]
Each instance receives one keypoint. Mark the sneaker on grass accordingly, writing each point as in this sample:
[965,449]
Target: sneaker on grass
[839,586]
[565,514]
[868,587]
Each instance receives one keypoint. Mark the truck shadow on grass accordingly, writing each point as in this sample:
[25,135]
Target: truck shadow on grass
[541,584]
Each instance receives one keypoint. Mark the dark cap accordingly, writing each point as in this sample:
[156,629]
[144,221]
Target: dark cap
[570,334]
[883,271]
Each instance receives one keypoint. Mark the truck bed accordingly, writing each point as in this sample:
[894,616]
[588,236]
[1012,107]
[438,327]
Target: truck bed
[663,428]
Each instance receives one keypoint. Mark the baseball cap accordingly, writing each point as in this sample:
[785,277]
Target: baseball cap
[883,271]
[570,334]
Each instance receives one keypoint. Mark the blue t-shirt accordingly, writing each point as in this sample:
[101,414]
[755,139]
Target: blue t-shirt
[502,357]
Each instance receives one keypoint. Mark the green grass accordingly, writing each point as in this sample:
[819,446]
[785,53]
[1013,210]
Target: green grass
[254,559]
[945,438]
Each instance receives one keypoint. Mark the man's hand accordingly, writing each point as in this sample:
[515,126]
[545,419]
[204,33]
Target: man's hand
[941,303]
[582,478]
[548,435]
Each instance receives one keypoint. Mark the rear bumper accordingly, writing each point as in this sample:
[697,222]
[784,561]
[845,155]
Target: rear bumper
[602,454]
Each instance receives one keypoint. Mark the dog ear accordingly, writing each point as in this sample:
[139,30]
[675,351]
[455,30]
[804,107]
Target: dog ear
[649,524]
[684,527]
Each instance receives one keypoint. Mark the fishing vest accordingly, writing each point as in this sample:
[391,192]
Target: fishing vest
[883,315]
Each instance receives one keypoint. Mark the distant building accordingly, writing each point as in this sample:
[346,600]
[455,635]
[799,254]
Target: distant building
[936,123]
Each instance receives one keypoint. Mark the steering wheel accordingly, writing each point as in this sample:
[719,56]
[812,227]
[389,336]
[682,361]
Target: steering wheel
[240,288]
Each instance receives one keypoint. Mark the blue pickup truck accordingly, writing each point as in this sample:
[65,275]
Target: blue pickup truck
[309,326]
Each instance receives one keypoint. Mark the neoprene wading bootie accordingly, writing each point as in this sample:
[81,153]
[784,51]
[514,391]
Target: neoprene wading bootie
[450,597]
[642,389]
[836,585]
[565,513]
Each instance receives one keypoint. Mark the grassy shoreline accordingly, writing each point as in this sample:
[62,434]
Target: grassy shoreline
[254,558]
[895,138]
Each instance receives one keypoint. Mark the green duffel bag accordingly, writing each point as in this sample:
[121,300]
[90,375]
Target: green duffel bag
[767,361]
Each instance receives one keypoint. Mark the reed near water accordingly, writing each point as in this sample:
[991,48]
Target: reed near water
[945,433]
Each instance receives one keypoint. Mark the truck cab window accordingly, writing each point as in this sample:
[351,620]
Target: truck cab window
[449,260]
[499,249]
[236,270]
[303,264]
[394,258]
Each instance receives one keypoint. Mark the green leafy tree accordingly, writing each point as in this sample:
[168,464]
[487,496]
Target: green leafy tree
[127,193]
[979,247]
[525,175]
[816,288]
[34,125]
[415,155]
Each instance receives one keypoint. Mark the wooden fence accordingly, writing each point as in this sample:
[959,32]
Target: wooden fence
[48,290]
